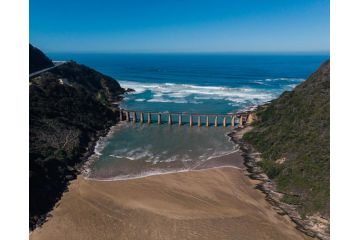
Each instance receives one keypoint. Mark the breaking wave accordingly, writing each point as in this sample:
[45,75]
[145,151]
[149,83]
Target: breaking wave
[188,93]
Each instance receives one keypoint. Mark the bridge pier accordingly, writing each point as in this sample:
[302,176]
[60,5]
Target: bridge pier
[207,121]
[179,119]
[121,117]
[190,121]
[159,119]
[149,118]
[169,119]
[127,116]
[224,121]
[240,121]
[232,121]
[216,121]
[134,117]
[141,117]
[199,120]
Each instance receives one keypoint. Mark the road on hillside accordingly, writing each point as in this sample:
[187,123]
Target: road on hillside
[56,64]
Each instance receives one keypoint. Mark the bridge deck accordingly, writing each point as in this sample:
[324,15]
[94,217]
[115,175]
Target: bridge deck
[181,113]
[184,117]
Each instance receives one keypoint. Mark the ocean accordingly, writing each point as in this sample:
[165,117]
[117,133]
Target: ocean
[198,83]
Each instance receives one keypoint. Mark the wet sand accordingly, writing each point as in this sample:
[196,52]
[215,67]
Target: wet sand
[217,203]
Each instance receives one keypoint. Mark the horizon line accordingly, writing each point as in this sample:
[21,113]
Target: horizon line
[320,52]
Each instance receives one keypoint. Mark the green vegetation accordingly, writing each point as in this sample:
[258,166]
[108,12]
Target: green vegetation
[271,168]
[292,133]
[70,106]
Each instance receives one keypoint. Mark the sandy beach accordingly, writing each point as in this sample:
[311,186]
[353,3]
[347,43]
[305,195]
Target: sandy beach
[217,203]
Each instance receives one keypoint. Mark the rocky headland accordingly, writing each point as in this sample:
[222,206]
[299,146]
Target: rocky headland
[70,108]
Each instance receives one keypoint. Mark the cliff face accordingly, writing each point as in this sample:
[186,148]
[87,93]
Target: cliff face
[70,107]
[292,133]
[38,60]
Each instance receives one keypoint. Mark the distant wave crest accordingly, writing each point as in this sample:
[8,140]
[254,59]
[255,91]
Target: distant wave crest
[188,93]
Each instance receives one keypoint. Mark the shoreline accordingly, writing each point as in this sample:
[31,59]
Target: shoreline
[157,174]
[85,163]
[312,226]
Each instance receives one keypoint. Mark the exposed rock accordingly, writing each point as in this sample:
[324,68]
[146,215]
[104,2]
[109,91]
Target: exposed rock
[281,160]
[129,90]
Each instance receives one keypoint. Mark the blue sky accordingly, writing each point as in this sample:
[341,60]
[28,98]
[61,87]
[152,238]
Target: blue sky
[180,26]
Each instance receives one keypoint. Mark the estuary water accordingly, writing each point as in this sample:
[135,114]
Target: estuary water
[198,83]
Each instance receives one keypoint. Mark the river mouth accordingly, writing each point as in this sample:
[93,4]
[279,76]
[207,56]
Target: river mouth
[133,150]
[137,149]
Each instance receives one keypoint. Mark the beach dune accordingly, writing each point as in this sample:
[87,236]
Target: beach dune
[217,203]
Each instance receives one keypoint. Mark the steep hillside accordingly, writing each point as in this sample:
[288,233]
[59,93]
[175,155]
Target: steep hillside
[70,107]
[292,133]
[104,87]
[38,60]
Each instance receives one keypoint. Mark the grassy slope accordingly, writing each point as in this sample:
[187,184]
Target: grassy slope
[296,127]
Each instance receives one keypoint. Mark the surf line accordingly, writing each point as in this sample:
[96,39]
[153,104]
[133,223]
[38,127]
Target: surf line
[158,174]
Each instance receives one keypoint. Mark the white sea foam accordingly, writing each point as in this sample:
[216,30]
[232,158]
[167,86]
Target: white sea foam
[147,154]
[136,176]
[260,83]
[221,154]
[159,99]
[180,93]
[285,79]
[154,173]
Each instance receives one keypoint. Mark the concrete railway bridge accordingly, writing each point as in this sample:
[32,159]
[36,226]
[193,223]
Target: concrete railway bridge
[182,118]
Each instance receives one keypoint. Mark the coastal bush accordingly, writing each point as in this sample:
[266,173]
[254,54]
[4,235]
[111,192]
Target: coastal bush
[291,199]
[296,127]
[65,121]
[271,168]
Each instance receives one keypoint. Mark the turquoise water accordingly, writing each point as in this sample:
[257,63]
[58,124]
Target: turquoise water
[134,150]
[204,83]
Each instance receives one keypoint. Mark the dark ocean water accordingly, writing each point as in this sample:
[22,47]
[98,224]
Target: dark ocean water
[205,83]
